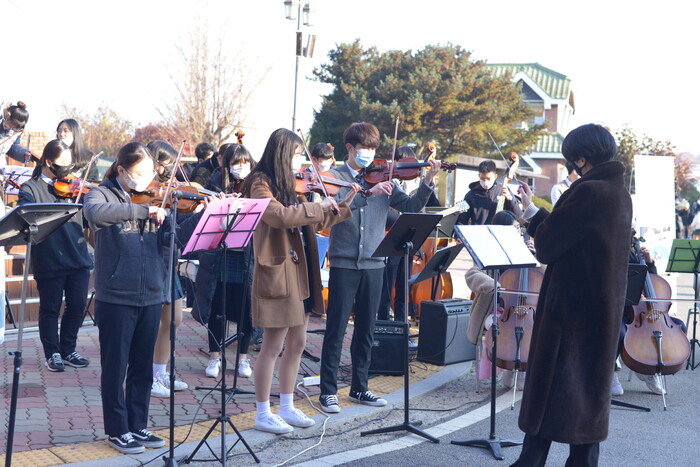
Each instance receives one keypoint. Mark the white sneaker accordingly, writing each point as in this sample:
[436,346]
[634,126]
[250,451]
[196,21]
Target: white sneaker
[164,380]
[508,379]
[213,368]
[296,417]
[652,383]
[158,390]
[244,369]
[616,386]
[272,424]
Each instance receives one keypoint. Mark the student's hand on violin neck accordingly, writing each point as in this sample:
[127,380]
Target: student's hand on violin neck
[435,167]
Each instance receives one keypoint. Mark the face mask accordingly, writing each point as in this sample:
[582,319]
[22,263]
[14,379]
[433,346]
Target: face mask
[167,172]
[486,184]
[297,162]
[240,172]
[61,171]
[364,157]
[325,166]
[137,184]
[578,170]
[67,139]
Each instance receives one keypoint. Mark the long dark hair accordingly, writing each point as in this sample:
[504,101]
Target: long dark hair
[129,155]
[275,166]
[52,151]
[79,150]
[235,154]
[18,114]
[164,154]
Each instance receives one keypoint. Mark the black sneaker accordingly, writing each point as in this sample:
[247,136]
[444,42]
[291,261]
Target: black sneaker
[329,403]
[55,363]
[367,398]
[148,439]
[76,360]
[125,444]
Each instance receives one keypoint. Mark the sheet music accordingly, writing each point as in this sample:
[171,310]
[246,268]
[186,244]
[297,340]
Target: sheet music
[495,246]
[513,244]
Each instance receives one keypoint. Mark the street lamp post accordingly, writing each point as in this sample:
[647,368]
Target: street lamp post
[294,11]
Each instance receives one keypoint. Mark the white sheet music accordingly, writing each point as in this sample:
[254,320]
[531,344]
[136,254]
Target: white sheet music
[495,246]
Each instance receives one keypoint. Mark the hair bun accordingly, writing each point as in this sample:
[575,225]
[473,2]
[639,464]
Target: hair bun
[21,105]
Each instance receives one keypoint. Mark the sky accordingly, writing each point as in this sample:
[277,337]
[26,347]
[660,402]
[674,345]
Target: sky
[631,63]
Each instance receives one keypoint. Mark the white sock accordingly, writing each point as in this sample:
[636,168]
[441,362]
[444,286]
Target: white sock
[262,409]
[286,402]
[158,369]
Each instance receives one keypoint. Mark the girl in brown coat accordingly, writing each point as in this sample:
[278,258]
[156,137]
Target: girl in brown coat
[286,278]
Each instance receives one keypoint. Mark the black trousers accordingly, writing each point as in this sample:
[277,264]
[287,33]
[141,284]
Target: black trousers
[127,338]
[536,449]
[346,287]
[51,291]
[393,277]
[233,310]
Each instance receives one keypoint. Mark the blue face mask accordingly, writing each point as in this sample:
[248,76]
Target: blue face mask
[364,157]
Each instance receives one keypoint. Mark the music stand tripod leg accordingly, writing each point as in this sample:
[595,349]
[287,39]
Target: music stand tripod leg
[406,425]
[492,443]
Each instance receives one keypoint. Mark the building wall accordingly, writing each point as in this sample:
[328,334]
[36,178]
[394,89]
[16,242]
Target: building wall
[552,118]
[552,168]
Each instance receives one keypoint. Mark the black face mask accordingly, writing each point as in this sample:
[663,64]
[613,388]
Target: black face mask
[61,171]
[167,172]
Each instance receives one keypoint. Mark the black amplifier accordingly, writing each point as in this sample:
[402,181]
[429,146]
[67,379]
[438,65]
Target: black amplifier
[387,348]
[443,332]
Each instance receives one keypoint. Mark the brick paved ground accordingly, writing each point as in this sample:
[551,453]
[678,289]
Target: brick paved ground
[59,409]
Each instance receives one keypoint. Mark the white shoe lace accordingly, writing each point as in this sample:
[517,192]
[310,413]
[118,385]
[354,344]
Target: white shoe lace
[331,400]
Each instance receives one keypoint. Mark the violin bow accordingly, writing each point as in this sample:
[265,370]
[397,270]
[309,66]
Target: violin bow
[87,170]
[393,151]
[315,169]
[172,174]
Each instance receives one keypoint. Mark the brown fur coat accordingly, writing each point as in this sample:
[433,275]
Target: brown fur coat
[584,242]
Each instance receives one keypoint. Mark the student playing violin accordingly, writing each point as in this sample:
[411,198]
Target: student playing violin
[61,264]
[216,278]
[68,131]
[286,282]
[129,277]
[165,156]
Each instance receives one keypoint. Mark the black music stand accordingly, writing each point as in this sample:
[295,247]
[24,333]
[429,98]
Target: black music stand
[494,247]
[226,224]
[636,276]
[685,257]
[441,260]
[403,239]
[29,224]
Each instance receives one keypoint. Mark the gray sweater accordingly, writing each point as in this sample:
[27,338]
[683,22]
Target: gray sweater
[353,241]
[129,267]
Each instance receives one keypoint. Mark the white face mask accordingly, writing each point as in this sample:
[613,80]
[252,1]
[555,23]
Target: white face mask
[364,157]
[137,184]
[297,162]
[325,166]
[241,171]
[67,139]
[486,184]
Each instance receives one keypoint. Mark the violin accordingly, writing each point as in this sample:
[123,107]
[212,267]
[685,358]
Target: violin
[516,321]
[654,344]
[407,168]
[71,187]
[307,182]
[154,194]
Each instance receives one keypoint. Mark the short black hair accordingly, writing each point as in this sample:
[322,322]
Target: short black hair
[592,142]
[487,166]
[362,133]
[204,150]
[322,151]
[503,218]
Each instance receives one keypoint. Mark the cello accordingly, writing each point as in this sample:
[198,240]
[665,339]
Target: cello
[654,344]
[517,319]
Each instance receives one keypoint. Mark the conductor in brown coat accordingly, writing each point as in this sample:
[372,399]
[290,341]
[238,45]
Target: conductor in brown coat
[584,242]
[286,277]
